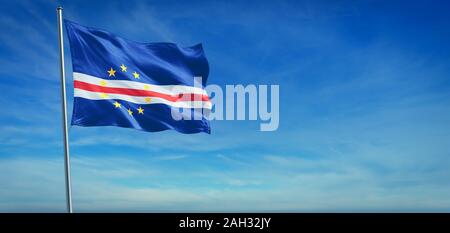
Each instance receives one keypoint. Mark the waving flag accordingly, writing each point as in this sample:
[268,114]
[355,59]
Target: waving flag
[123,83]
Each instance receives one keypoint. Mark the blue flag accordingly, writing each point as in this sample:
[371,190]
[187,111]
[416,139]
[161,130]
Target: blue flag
[146,86]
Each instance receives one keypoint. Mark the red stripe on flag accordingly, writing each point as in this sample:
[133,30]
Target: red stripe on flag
[136,92]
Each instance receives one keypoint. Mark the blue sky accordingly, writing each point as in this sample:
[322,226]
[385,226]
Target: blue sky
[364,101]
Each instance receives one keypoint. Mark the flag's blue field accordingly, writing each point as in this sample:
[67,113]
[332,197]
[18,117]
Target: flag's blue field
[144,93]
[364,108]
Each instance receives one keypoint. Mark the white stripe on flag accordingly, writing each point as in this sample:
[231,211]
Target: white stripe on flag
[140,99]
[165,89]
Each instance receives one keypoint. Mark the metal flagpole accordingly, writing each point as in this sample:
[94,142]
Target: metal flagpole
[64,111]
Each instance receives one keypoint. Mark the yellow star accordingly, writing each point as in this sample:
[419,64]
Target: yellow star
[103,83]
[117,104]
[112,72]
[147,99]
[124,68]
[130,112]
[146,87]
[140,110]
[104,95]
[136,75]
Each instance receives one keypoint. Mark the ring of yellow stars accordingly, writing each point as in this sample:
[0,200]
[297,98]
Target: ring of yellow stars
[124,68]
[112,72]
[147,99]
[117,104]
[146,87]
[130,112]
[103,83]
[136,75]
[104,95]
[140,110]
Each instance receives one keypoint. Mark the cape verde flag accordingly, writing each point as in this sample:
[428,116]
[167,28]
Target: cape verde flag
[123,83]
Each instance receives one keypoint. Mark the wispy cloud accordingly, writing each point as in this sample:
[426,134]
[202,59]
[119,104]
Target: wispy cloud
[103,184]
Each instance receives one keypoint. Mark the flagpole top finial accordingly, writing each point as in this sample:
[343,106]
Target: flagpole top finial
[59,8]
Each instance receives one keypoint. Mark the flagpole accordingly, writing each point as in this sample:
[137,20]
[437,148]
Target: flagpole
[64,111]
